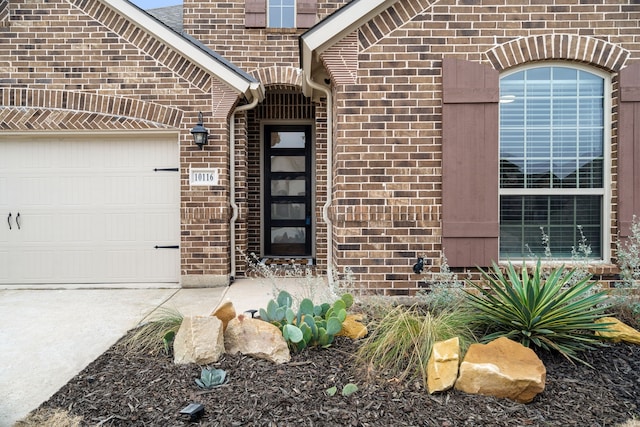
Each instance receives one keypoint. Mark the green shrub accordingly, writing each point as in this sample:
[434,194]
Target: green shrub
[444,288]
[625,298]
[312,325]
[629,256]
[625,307]
[399,344]
[538,310]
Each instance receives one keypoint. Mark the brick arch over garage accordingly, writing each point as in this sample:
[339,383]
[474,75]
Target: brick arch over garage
[39,109]
[278,77]
[558,46]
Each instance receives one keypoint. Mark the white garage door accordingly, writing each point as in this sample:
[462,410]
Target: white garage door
[89,210]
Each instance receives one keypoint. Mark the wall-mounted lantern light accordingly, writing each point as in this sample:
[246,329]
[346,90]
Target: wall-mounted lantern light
[200,133]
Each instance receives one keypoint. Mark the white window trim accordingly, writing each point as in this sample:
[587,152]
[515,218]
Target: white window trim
[605,191]
[295,15]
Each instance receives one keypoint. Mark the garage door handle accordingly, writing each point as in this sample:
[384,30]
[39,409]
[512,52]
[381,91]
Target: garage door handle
[18,220]
[9,220]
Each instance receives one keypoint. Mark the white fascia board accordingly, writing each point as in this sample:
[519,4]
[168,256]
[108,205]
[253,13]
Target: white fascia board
[339,25]
[171,38]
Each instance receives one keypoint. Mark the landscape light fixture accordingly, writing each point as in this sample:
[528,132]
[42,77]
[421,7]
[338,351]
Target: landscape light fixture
[192,412]
[200,133]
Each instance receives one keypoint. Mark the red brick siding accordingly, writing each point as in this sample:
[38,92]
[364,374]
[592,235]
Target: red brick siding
[341,60]
[388,149]
[4,12]
[77,65]
[284,107]
[272,57]
[386,80]
[221,26]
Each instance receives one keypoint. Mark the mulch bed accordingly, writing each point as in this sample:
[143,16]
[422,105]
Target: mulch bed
[121,390]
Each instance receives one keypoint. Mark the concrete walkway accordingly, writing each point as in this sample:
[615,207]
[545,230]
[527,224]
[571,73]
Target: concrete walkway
[47,336]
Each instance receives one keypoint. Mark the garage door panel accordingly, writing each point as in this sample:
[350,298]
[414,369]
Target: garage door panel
[126,266]
[5,210]
[155,188]
[75,190]
[50,230]
[162,233]
[91,211]
[4,264]
[34,190]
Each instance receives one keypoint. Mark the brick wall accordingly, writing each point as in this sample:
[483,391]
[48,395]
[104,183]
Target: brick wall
[388,159]
[284,107]
[77,65]
[221,26]
[272,57]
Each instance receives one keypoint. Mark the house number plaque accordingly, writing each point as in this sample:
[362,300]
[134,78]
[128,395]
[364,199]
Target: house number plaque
[203,177]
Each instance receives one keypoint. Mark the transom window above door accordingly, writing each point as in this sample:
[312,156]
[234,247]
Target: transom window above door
[553,161]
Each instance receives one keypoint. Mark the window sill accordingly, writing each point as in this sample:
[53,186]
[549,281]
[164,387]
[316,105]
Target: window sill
[596,267]
[282,30]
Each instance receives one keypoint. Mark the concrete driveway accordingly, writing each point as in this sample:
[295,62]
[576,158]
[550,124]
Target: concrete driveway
[47,336]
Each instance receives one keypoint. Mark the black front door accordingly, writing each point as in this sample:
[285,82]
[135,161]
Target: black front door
[287,188]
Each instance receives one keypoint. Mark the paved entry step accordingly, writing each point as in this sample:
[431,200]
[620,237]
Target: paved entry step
[283,267]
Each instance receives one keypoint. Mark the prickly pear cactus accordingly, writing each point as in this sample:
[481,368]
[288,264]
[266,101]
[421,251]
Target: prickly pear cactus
[311,325]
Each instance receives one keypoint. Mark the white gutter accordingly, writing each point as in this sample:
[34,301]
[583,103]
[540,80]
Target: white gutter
[327,205]
[232,175]
[182,45]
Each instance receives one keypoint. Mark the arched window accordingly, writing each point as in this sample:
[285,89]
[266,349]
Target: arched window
[554,161]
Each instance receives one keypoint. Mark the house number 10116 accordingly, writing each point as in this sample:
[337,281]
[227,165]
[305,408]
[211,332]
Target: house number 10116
[203,176]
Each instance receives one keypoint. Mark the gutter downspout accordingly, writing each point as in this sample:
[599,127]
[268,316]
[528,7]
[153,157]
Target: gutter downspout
[232,181]
[327,205]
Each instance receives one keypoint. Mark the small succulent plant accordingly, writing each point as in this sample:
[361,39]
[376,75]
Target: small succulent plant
[347,390]
[211,378]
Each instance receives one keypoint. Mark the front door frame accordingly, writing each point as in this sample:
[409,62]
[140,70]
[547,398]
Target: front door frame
[310,226]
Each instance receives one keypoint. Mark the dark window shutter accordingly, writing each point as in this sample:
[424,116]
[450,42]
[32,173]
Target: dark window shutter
[255,13]
[306,13]
[470,161]
[628,148]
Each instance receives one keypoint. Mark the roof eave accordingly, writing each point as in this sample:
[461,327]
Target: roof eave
[334,28]
[235,80]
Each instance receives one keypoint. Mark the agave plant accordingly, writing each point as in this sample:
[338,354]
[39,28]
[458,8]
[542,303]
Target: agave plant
[540,310]
[211,378]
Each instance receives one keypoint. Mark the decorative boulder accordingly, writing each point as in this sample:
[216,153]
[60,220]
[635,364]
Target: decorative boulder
[257,338]
[353,328]
[619,331]
[225,312]
[200,340]
[502,368]
[442,367]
